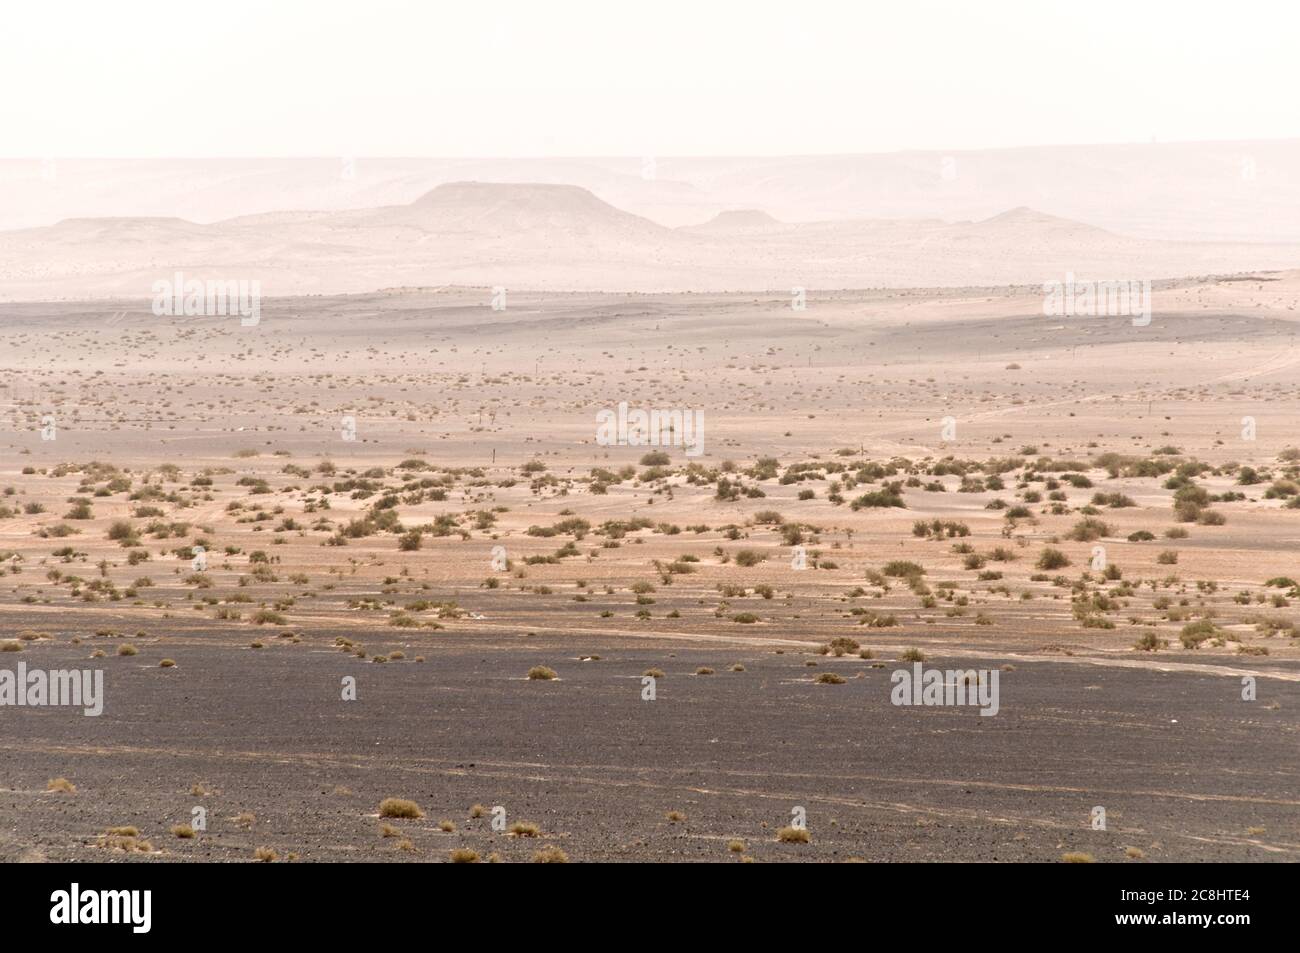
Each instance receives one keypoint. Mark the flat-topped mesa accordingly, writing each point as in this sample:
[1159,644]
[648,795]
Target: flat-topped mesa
[739,218]
[541,194]
[523,206]
[1022,216]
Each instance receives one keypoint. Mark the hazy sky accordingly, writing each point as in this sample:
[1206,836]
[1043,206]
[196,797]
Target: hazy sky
[476,78]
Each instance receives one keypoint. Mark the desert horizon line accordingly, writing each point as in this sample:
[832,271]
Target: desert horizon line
[468,156]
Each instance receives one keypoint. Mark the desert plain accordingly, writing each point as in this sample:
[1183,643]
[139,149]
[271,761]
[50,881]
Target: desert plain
[425,578]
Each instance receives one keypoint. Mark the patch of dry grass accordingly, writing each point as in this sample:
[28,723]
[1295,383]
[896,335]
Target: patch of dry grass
[126,838]
[793,835]
[397,807]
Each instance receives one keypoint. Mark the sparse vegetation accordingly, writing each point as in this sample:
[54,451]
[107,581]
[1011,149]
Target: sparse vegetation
[400,808]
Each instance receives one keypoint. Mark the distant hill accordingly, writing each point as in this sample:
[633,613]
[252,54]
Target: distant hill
[563,237]
[1245,190]
[737,219]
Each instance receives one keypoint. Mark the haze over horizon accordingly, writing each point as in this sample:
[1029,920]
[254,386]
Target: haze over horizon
[690,432]
[584,78]
[1246,190]
[563,237]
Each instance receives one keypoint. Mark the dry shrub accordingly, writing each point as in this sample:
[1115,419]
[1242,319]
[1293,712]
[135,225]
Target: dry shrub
[397,807]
